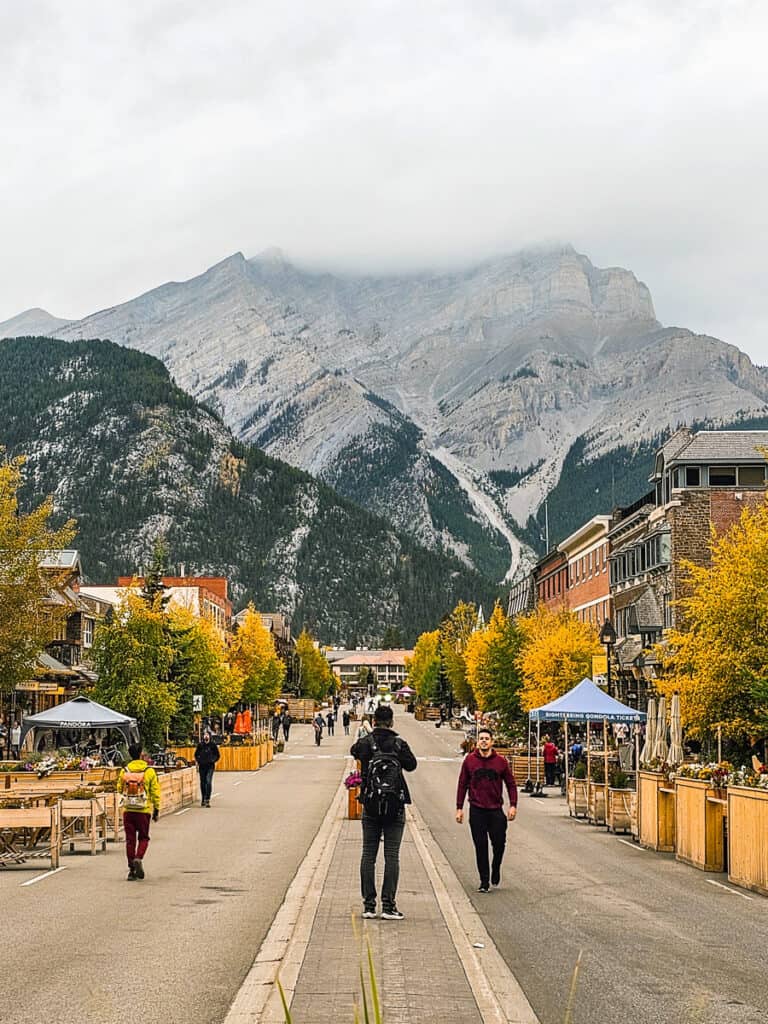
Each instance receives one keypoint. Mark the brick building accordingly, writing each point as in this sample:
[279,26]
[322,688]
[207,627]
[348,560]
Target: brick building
[586,557]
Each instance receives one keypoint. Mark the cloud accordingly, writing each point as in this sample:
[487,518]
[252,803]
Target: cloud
[147,142]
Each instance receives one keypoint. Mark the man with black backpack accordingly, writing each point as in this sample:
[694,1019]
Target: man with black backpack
[383,757]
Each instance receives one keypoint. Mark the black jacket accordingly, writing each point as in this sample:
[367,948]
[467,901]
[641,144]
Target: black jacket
[206,754]
[387,741]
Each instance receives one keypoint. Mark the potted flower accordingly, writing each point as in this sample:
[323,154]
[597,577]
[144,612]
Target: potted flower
[353,781]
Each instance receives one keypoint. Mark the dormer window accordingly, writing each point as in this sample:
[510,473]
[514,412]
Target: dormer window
[692,476]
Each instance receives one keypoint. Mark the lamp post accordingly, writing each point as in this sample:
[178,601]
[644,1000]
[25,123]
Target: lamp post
[607,638]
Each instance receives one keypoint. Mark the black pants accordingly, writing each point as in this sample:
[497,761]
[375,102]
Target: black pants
[206,780]
[373,830]
[549,773]
[484,825]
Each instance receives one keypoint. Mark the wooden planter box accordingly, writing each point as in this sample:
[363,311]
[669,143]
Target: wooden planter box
[30,833]
[656,812]
[596,802]
[354,809]
[699,825]
[270,751]
[748,838]
[622,810]
[84,821]
[519,763]
[114,814]
[578,804]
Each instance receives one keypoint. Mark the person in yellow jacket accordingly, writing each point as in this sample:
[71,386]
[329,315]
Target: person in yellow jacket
[140,800]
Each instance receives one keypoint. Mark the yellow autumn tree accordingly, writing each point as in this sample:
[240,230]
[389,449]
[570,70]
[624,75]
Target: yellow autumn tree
[27,620]
[493,672]
[423,669]
[255,660]
[556,654]
[315,675]
[455,631]
[719,663]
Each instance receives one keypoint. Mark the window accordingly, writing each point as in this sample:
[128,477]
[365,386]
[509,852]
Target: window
[87,632]
[692,476]
[751,476]
[667,608]
[722,476]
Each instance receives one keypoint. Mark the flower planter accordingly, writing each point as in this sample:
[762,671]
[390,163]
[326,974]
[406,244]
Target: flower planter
[270,751]
[622,810]
[698,824]
[748,838]
[596,803]
[578,804]
[656,812]
[354,809]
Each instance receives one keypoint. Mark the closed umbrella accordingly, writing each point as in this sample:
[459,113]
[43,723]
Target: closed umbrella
[661,749]
[247,720]
[239,723]
[650,733]
[675,732]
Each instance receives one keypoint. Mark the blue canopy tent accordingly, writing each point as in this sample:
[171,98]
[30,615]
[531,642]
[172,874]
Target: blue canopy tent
[584,703]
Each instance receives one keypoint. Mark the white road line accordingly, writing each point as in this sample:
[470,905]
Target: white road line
[177,813]
[39,878]
[215,796]
[727,888]
[634,846]
[237,783]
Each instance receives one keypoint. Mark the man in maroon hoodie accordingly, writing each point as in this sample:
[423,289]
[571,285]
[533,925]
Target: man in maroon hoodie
[483,774]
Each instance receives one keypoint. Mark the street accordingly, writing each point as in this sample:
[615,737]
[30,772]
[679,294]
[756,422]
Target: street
[659,942]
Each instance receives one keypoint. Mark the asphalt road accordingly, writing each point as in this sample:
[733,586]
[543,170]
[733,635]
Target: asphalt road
[86,946]
[659,943]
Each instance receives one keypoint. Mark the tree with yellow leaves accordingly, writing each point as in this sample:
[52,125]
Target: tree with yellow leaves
[423,669]
[255,661]
[315,675]
[455,631]
[27,621]
[719,664]
[493,671]
[556,654]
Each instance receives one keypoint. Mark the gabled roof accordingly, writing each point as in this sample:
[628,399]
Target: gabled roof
[722,446]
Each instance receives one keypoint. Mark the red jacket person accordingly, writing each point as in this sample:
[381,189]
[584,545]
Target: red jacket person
[484,773]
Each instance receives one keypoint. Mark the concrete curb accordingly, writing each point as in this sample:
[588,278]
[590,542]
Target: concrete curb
[282,951]
[497,992]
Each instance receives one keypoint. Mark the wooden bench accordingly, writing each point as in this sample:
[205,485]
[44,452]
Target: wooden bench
[27,833]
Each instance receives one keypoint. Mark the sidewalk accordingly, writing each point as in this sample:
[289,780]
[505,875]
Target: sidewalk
[418,971]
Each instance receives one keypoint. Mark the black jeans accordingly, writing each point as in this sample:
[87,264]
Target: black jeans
[487,824]
[206,780]
[549,773]
[373,830]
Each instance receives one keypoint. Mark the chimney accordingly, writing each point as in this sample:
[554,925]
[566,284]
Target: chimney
[182,570]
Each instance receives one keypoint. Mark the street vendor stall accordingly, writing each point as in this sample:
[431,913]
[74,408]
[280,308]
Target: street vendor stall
[586,703]
[81,715]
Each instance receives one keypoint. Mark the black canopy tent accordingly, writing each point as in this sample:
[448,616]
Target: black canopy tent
[81,714]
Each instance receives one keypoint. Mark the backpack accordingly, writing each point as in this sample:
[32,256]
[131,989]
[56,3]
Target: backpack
[383,794]
[134,793]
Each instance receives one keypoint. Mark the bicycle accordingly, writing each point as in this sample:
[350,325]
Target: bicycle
[164,757]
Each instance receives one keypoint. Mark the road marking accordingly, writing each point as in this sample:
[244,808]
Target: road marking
[727,888]
[215,795]
[47,874]
[177,813]
[634,846]
[238,783]
[502,1000]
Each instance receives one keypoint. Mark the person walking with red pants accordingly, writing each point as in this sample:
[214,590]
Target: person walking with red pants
[140,801]
[483,775]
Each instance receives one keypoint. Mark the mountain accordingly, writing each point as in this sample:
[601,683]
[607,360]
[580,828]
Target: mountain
[446,402]
[131,456]
[32,322]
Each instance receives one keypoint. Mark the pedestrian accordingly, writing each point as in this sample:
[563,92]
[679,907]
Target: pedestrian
[140,791]
[483,774]
[550,761]
[383,757]
[345,721]
[364,729]
[331,721]
[206,756]
[336,703]
[319,724]
[276,723]
[287,723]
[15,739]
[576,751]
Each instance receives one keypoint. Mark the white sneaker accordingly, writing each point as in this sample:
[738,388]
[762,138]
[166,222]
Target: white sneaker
[392,915]
[368,914]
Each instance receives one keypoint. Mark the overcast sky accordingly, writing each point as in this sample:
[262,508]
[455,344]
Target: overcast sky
[144,141]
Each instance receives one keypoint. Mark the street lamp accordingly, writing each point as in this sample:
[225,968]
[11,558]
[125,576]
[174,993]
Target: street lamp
[607,638]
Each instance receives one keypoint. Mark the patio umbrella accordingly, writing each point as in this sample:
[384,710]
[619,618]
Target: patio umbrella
[661,750]
[675,732]
[650,733]
[247,720]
